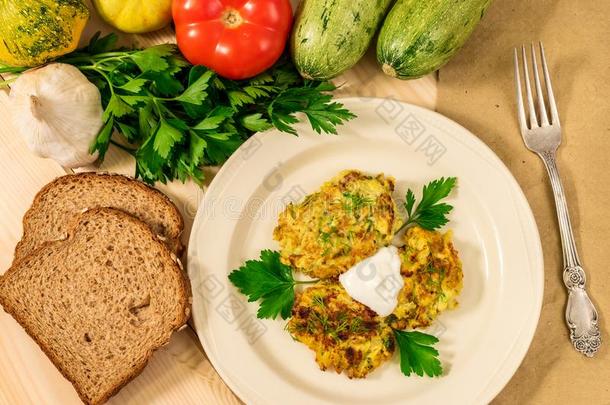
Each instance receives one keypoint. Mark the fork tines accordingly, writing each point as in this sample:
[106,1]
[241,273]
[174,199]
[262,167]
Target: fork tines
[537,117]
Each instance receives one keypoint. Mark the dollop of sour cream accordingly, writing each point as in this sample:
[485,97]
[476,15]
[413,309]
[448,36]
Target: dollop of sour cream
[376,281]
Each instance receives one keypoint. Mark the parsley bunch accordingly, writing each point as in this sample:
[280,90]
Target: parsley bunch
[174,117]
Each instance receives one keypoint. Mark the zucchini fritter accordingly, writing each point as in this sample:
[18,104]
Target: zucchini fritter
[346,335]
[432,272]
[346,221]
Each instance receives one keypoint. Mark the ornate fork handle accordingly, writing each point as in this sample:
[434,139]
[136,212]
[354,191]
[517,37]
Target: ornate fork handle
[581,315]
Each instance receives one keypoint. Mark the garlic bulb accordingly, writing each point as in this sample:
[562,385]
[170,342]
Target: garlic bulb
[58,112]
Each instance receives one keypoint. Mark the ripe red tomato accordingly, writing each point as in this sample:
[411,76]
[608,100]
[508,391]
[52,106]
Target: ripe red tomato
[237,39]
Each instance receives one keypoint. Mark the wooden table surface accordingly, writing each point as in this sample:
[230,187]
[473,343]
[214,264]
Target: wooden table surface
[179,373]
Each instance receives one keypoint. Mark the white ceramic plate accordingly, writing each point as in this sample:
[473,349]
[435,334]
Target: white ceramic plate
[481,343]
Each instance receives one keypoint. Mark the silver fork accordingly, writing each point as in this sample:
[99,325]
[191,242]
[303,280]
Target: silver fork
[543,136]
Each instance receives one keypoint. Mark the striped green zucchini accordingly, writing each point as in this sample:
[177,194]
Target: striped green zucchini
[330,36]
[419,36]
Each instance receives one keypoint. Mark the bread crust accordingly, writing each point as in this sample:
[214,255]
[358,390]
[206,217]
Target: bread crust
[175,241]
[185,299]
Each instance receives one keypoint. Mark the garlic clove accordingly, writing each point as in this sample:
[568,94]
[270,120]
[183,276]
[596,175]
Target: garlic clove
[58,112]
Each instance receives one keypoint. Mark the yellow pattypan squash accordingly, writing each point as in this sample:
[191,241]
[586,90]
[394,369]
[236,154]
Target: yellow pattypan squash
[135,16]
[33,32]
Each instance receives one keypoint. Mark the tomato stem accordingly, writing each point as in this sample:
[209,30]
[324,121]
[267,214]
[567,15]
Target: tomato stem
[231,18]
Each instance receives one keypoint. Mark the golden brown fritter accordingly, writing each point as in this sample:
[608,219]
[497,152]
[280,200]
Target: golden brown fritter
[432,272]
[346,221]
[345,335]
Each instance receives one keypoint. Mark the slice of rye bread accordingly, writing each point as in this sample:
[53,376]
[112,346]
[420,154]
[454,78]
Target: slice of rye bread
[59,201]
[99,302]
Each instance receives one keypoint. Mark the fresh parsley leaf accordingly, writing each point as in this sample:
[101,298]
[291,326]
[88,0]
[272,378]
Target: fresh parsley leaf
[255,122]
[103,139]
[153,59]
[430,213]
[409,201]
[178,123]
[195,93]
[149,165]
[146,121]
[134,85]
[269,281]
[196,72]
[434,217]
[259,91]
[197,147]
[218,84]
[282,302]
[196,111]
[436,190]
[134,100]
[220,136]
[176,63]
[214,119]
[128,131]
[165,138]
[323,114]
[220,149]
[165,84]
[417,354]
[284,121]
[116,108]
[209,123]
[239,98]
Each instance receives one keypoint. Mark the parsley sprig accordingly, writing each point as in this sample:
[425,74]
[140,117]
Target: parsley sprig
[417,354]
[174,117]
[270,281]
[430,213]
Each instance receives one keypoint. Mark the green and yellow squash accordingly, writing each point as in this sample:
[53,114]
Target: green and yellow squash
[33,32]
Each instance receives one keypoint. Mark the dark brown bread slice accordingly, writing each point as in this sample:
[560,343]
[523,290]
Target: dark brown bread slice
[59,201]
[99,302]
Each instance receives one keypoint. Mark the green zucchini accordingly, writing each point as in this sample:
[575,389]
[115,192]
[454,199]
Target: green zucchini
[419,36]
[330,36]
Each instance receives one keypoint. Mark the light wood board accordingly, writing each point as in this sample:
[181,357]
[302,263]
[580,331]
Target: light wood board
[178,373]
